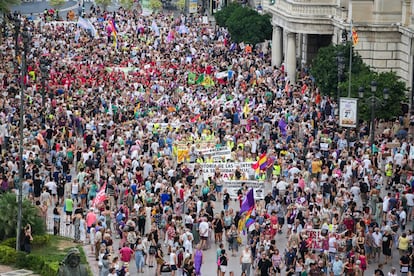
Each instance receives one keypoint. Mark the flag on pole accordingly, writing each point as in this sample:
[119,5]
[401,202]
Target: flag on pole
[200,79]
[114,31]
[261,162]
[207,82]
[282,126]
[354,37]
[248,202]
[87,25]
[191,78]
[100,196]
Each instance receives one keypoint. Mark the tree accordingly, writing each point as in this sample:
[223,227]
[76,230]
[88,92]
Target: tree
[155,5]
[8,220]
[6,4]
[57,3]
[245,24]
[388,109]
[224,14]
[127,4]
[324,70]
[103,3]
[181,5]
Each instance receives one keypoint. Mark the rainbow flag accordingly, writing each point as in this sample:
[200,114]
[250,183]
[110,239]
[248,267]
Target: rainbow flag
[114,31]
[261,163]
[248,205]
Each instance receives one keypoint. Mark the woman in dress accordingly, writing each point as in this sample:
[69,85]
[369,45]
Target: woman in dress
[82,229]
[218,229]
[198,260]
[387,245]
[232,235]
[152,250]
[76,224]
[56,219]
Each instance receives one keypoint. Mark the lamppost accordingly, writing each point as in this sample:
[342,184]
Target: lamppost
[373,103]
[341,67]
[26,40]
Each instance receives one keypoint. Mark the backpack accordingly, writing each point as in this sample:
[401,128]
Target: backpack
[364,187]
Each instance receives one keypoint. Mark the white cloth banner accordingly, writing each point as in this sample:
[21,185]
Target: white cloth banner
[227,170]
[217,154]
[233,186]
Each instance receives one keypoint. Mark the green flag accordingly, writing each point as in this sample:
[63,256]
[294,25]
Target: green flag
[191,78]
[200,79]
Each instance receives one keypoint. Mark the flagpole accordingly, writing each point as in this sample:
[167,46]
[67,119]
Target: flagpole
[350,60]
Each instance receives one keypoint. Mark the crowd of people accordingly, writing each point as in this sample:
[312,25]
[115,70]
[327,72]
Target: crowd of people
[137,111]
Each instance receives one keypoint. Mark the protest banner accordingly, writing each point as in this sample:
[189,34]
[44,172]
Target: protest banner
[233,186]
[182,155]
[315,238]
[227,169]
[217,154]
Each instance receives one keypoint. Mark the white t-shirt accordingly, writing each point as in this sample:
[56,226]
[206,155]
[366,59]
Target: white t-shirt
[332,244]
[246,257]
[385,204]
[203,228]
[410,199]
[377,239]
[403,217]
[188,246]
[51,185]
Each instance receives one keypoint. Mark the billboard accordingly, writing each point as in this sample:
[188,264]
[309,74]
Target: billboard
[348,112]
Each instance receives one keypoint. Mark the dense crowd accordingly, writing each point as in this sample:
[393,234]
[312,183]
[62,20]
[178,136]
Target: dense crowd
[138,105]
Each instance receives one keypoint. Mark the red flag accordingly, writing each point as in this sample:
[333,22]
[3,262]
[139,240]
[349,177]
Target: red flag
[195,119]
[100,196]
[260,162]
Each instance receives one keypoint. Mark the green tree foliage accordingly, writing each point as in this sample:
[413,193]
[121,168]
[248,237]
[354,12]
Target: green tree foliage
[180,5]
[325,71]
[224,14]
[388,109]
[57,3]
[103,3]
[245,24]
[8,220]
[6,4]
[155,5]
[127,4]
[325,68]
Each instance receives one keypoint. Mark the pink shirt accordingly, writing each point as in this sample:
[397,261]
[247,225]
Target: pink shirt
[90,219]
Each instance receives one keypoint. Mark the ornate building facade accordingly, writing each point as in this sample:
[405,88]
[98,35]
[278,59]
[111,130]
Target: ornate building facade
[385,32]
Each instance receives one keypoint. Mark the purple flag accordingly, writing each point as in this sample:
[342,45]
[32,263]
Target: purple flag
[248,202]
[282,126]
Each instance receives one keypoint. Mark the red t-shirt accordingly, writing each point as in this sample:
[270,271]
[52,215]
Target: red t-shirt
[126,254]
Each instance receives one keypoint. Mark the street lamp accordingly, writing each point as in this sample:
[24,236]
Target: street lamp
[373,103]
[341,67]
[26,41]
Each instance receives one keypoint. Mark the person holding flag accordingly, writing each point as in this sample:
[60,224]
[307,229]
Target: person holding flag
[247,207]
